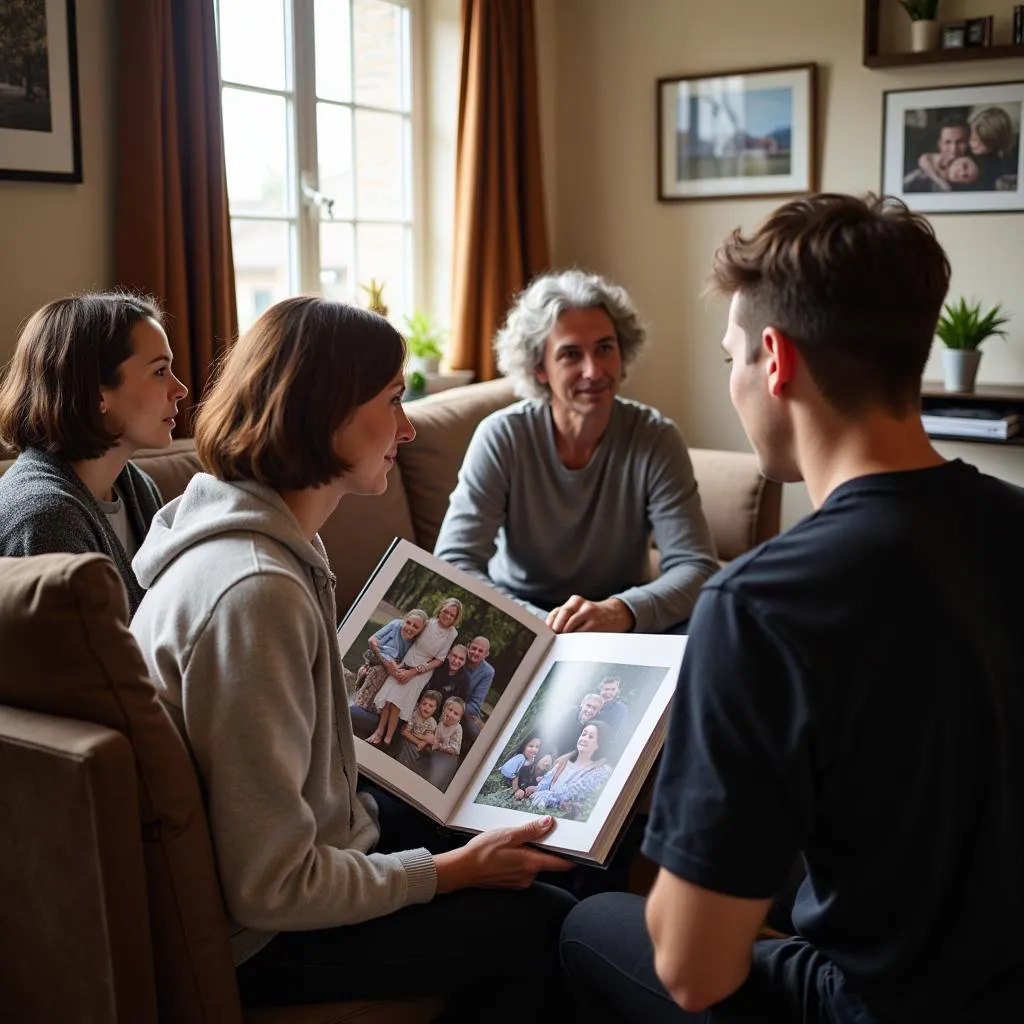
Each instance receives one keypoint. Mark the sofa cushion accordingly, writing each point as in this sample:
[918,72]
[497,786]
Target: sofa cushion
[171,468]
[430,464]
[741,506]
[67,651]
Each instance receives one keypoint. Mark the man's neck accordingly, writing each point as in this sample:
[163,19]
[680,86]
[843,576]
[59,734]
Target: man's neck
[834,453]
[99,475]
[577,435]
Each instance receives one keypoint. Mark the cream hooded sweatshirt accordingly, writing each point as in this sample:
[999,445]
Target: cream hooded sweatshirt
[238,630]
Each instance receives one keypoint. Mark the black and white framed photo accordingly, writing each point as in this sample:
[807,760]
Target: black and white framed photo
[39,129]
[738,133]
[956,149]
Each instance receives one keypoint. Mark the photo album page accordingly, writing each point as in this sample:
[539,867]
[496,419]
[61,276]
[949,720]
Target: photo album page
[468,707]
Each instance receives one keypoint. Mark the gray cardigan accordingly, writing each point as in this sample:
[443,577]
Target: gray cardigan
[45,508]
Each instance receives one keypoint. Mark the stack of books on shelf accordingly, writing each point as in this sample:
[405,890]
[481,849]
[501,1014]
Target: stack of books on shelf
[971,423]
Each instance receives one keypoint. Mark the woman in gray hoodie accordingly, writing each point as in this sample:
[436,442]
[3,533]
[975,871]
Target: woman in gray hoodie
[238,629]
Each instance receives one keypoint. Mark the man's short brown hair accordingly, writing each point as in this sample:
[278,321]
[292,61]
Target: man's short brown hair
[857,284]
[285,387]
[67,352]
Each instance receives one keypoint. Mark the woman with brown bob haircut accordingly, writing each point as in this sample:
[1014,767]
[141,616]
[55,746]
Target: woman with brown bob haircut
[89,385]
[238,629]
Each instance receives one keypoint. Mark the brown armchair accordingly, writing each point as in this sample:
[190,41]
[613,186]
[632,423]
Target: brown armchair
[111,904]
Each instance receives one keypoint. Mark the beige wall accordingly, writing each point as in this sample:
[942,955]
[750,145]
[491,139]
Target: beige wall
[56,238]
[600,60]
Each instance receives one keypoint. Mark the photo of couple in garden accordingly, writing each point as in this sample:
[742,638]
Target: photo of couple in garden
[427,669]
[566,744]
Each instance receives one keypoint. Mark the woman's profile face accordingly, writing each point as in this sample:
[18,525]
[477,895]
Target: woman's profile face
[142,406]
[587,743]
[368,440]
[977,144]
[531,748]
[447,615]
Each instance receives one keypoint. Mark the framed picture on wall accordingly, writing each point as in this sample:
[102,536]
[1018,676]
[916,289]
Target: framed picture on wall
[737,133]
[954,150]
[39,130]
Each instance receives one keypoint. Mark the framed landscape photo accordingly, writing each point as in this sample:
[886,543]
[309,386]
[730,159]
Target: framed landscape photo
[956,149]
[39,128]
[738,133]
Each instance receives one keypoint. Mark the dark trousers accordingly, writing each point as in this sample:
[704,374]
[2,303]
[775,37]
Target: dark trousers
[458,945]
[609,965]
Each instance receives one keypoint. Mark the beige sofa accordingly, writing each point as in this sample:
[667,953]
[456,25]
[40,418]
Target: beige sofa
[107,879]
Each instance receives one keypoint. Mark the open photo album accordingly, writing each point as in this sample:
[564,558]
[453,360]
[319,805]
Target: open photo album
[468,707]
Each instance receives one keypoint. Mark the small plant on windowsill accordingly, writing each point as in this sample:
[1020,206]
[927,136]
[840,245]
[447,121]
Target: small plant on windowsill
[425,341]
[962,328]
[415,385]
[921,10]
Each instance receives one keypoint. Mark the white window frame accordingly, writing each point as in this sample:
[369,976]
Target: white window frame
[304,200]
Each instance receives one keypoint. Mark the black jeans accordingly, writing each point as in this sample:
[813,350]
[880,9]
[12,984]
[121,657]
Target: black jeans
[470,946]
[609,965]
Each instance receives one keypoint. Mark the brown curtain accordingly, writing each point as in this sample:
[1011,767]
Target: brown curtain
[500,232]
[173,232]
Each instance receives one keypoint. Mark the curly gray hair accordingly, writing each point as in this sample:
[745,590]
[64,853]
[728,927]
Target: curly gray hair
[519,345]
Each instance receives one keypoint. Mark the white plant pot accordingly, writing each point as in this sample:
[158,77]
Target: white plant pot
[425,364]
[924,35]
[960,367]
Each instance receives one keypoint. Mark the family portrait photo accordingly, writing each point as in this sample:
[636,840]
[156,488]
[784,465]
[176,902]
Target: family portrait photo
[566,744]
[955,150]
[427,669]
[743,133]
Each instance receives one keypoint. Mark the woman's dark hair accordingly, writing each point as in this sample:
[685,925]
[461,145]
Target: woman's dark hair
[604,740]
[530,737]
[67,352]
[287,385]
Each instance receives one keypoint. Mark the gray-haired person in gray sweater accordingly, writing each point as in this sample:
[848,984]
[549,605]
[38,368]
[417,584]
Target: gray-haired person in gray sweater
[90,384]
[334,890]
[559,495]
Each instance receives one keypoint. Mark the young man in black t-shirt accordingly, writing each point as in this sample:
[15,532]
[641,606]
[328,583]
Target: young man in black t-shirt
[853,690]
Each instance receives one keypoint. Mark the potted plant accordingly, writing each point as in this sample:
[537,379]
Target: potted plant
[375,297]
[415,385]
[962,328]
[924,29]
[424,339]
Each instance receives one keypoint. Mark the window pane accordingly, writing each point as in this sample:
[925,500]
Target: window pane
[262,251]
[334,155]
[252,42]
[337,263]
[385,252]
[333,50]
[380,166]
[256,150]
[380,53]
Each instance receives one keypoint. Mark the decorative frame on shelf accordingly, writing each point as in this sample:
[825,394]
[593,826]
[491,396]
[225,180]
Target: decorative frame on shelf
[40,135]
[737,133]
[954,149]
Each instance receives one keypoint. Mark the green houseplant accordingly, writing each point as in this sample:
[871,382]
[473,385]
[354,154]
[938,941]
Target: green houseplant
[962,328]
[425,340]
[924,29]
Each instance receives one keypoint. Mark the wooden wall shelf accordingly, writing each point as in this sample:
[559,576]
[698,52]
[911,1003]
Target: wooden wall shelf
[874,59]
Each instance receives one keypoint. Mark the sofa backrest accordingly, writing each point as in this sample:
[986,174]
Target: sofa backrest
[742,507]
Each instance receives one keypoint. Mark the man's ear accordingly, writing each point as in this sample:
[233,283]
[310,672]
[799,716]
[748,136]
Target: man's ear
[540,374]
[781,358]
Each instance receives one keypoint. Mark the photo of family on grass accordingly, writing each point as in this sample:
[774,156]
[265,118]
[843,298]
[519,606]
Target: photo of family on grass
[427,669]
[568,740]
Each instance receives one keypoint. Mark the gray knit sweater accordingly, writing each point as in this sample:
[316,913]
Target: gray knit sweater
[45,508]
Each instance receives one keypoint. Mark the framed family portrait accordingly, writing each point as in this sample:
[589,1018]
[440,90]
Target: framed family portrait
[39,128]
[954,150]
[738,133]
